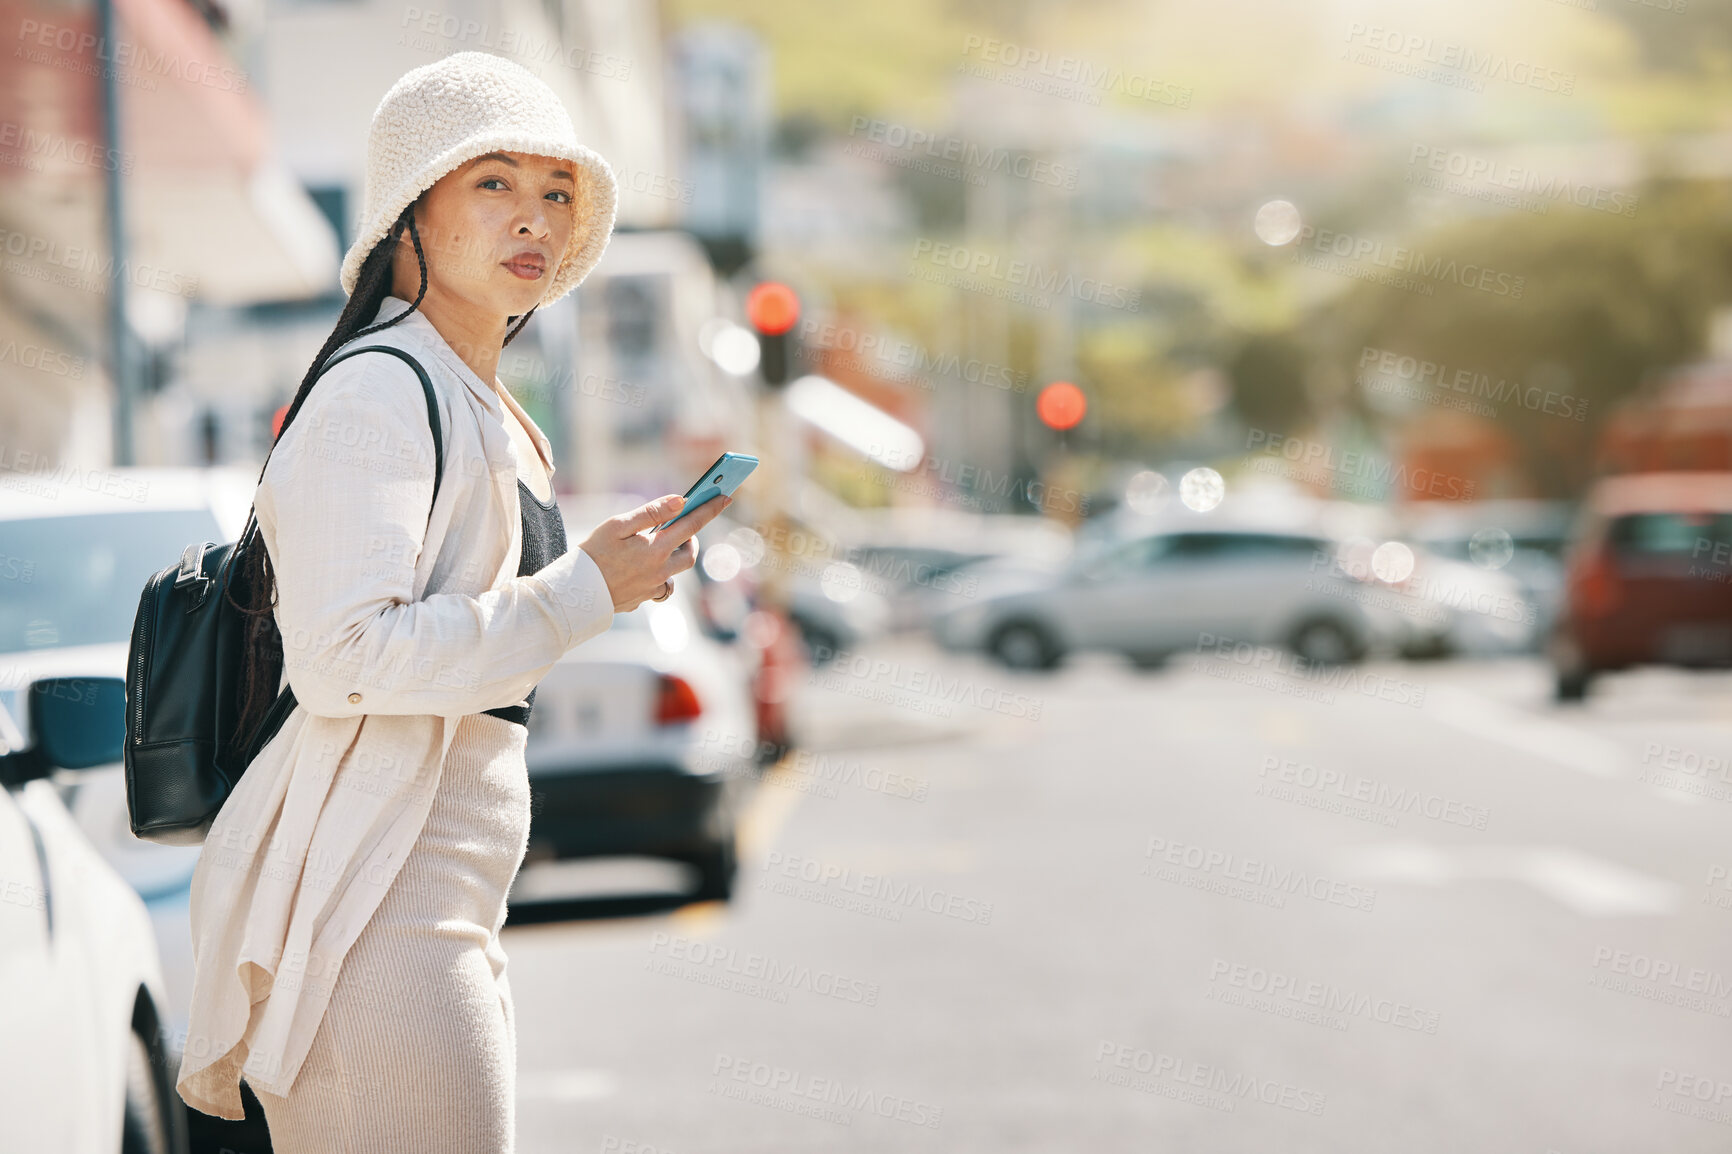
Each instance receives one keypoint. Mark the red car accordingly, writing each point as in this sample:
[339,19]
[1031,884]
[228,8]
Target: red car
[1650,579]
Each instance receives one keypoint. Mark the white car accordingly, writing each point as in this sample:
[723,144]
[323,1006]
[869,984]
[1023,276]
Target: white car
[1524,539]
[1451,608]
[84,1068]
[75,554]
[642,739]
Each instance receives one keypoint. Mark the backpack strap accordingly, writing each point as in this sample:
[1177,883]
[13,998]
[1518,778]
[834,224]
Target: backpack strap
[285,702]
[426,387]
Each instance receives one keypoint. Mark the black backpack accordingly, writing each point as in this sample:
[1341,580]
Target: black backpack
[183,679]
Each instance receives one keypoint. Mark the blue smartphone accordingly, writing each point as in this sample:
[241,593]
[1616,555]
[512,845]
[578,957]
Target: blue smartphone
[719,480]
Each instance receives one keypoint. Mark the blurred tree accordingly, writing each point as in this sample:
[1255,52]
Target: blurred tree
[1268,372]
[890,58]
[1605,301]
[1680,35]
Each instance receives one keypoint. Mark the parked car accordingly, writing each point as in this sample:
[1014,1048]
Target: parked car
[84,1063]
[915,557]
[1153,594]
[643,740]
[74,559]
[832,603]
[732,609]
[1650,579]
[1444,607]
[1524,539]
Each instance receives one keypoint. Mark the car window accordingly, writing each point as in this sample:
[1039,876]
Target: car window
[77,580]
[910,566]
[1131,556]
[1243,546]
[1671,534]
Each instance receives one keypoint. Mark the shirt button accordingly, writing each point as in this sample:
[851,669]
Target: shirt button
[354,699]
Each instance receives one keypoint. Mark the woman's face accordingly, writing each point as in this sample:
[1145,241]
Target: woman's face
[493,230]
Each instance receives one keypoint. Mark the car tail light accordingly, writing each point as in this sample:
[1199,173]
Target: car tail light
[676,700]
[1596,584]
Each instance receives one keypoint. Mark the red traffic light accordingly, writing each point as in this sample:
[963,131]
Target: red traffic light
[1061,405]
[772,308]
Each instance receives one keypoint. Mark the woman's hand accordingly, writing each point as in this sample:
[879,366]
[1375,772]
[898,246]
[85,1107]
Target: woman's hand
[640,567]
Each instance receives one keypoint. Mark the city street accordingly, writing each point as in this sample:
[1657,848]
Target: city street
[1212,629]
[1179,911]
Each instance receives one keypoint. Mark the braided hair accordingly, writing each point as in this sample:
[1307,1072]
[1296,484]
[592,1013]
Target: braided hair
[253,577]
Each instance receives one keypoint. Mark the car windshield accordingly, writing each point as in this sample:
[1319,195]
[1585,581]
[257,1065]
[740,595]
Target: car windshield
[77,580]
[1461,548]
[1696,535]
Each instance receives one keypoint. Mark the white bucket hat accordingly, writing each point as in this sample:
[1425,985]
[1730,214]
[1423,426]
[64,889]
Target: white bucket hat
[466,105]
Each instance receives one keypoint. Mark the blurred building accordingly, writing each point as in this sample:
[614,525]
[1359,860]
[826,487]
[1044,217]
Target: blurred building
[323,68]
[202,186]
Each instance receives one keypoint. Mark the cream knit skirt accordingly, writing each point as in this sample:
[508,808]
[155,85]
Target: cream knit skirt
[418,1048]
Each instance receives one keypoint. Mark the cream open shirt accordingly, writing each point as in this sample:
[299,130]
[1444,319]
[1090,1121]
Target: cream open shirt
[394,627]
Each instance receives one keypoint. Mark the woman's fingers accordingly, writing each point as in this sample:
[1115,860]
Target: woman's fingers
[683,558]
[686,527]
[638,565]
[648,516]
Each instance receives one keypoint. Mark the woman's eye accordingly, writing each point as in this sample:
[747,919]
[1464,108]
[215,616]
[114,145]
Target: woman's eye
[487,180]
[560,192]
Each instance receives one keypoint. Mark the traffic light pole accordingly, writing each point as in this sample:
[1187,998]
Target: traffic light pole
[119,363]
[776,580]
[773,309]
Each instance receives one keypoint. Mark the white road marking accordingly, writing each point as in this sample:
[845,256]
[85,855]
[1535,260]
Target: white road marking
[1587,885]
[1536,736]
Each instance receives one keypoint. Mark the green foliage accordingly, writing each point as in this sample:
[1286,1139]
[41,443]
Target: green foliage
[1605,301]
[1268,374]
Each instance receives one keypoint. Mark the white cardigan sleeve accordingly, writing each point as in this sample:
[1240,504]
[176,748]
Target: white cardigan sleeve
[347,492]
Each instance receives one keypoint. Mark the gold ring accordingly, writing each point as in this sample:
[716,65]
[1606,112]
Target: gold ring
[666,595]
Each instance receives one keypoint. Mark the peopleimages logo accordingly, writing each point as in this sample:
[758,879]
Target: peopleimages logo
[967,155]
[1327,998]
[1069,76]
[903,360]
[1216,1087]
[792,1088]
[1166,857]
[1380,369]
[1398,259]
[1432,58]
[988,269]
[1364,682]
[34,145]
[1486,178]
[1345,463]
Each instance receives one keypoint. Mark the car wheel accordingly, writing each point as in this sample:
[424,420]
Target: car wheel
[716,868]
[1570,669]
[1572,684]
[1024,645]
[1324,642]
[145,1125]
[1433,648]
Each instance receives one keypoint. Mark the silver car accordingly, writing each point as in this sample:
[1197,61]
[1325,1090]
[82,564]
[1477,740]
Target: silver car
[1153,594]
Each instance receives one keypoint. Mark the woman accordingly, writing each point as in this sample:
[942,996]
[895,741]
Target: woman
[347,906]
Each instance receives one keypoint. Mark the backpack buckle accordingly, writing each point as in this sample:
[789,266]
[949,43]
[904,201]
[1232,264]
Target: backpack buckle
[192,569]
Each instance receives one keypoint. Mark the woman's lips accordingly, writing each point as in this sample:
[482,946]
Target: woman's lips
[529,268]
